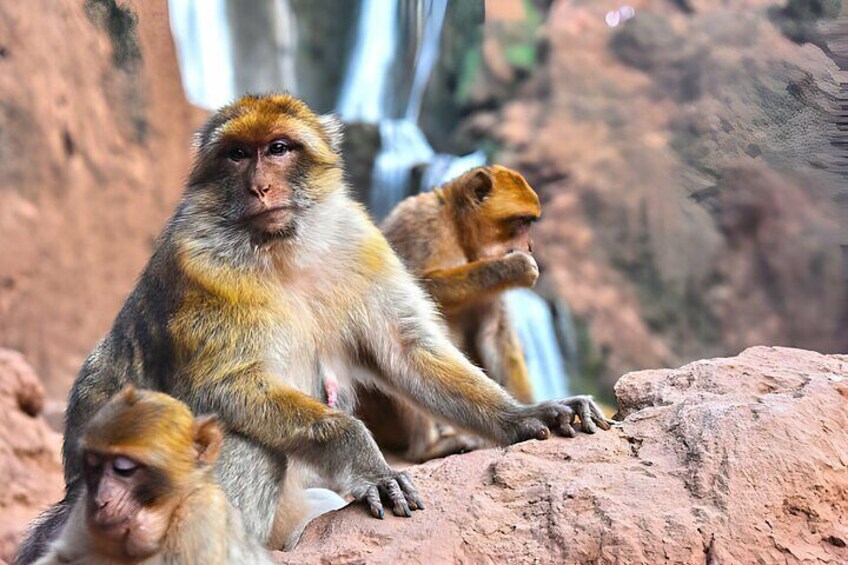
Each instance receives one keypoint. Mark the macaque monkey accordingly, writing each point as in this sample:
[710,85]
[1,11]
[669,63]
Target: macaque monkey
[149,493]
[468,241]
[267,274]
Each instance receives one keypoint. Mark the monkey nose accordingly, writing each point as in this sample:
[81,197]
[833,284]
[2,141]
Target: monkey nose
[260,190]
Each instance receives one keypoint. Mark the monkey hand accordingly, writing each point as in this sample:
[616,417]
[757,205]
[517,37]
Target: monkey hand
[521,268]
[537,421]
[394,487]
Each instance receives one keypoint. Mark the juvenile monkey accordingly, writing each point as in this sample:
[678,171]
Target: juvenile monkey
[468,242]
[266,273]
[149,493]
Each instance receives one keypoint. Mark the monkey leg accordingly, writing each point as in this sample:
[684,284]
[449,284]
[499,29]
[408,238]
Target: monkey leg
[430,440]
[336,445]
[501,353]
[251,476]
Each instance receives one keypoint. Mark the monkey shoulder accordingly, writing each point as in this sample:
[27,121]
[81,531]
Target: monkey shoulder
[421,231]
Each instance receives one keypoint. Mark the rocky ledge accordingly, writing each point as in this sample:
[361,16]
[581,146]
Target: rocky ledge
[736,460]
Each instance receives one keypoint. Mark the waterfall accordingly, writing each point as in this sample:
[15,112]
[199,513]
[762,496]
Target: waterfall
[366,92]
[367,96]
[531,315]
[204,49]
[404,146]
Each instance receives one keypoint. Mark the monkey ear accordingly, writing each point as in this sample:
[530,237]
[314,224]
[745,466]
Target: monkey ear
[481,186]
[129,394]
[334,128]
[208,438]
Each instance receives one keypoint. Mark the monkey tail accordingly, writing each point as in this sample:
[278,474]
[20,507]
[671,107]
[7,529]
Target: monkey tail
[41,532]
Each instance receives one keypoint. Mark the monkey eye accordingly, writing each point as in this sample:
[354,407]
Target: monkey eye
[124,466]
[279,147]
[237,154]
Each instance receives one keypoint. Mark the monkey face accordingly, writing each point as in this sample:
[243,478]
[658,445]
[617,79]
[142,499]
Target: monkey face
[119,512]
[264,174]
[503,207]
[262,164]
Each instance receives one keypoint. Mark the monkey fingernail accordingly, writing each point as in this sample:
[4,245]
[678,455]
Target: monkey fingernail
[543,434]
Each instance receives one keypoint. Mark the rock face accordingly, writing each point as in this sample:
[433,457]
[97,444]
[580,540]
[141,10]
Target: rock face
[736,460]
[94,145]
[30,465]
[691,191]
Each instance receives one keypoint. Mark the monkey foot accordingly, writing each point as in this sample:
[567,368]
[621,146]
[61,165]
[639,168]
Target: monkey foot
[398,491]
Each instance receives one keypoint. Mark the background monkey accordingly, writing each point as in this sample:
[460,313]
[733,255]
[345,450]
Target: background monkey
[467,241]
[149,494]
[266,273]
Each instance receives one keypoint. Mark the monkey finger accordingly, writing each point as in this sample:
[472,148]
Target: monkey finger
[586,423]
[399,505]
[372,497]
[602,421]
[567,430]
[411,494]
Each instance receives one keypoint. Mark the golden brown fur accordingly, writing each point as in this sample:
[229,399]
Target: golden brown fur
[170,507]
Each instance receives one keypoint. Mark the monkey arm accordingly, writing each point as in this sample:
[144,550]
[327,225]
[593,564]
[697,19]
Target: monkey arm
[417,361]
[288,421]
[467,283]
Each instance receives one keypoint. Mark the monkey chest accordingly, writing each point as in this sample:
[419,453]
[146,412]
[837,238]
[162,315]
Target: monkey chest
[309,350]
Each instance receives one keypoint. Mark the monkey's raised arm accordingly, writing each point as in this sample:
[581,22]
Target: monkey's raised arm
[479,279]
[339,446]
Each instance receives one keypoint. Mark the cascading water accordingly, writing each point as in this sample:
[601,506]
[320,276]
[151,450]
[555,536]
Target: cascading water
[366,97]
[534,323]
[204,48]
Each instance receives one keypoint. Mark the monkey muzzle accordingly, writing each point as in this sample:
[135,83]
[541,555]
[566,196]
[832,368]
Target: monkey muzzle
[272,220]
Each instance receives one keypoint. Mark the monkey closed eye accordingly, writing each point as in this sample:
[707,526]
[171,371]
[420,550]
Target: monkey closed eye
[124,466]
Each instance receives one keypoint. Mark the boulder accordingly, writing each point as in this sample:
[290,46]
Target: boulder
[30,465]
[735,460]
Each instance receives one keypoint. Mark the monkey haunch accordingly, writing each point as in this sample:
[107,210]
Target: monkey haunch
[149,494]
[268,276]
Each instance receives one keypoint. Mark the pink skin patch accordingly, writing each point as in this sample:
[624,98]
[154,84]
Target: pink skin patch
[331,388]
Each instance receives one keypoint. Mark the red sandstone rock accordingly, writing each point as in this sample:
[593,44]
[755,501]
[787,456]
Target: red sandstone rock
[30,465]
[736,460]
[95,137]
